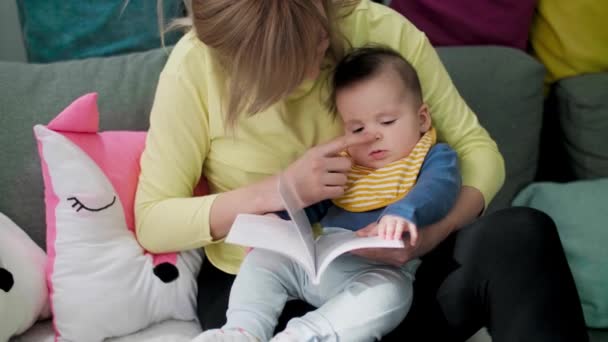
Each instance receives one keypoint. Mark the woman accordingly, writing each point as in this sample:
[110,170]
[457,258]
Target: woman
[242,97]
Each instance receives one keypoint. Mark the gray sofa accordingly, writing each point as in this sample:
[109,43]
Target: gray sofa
[503,86]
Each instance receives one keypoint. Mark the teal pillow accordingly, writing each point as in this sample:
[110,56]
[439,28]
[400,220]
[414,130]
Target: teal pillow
[580,211]
[77,29]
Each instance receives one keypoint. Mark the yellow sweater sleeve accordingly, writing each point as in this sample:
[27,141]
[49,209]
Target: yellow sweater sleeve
[481,164]
[168,217]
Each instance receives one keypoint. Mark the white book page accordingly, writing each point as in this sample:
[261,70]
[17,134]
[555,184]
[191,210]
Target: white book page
[296,212]
[273,234]
[337,241]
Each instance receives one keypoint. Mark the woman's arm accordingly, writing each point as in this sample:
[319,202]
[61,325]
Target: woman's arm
[258,198]
[468,206]
[481,164]
[316,176]
[168,218]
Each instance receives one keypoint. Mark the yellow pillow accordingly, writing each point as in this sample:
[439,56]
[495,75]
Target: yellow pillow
[570,37]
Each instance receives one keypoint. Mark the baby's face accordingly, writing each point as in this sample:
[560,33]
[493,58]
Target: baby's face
[381,107]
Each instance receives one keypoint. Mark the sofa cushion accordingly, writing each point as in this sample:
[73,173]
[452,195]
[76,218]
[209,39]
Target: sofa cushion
[166,331]
[448,23]
[582,105]
[33,94]
[81,29]
[504,88]
[579,211]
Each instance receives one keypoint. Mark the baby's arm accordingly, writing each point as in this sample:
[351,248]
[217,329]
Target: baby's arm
[430,199]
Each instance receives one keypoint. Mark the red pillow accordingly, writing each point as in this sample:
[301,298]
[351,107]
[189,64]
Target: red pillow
[471,22]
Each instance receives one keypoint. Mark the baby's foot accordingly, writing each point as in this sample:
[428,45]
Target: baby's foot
[284,336]
[225,335]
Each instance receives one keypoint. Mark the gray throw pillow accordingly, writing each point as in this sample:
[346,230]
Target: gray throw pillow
[582,104]
[504,87]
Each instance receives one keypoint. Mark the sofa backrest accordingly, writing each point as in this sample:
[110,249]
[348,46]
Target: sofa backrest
[503,86]
[36,93]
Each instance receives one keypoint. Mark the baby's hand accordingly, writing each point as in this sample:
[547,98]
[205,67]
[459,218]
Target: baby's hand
[392,227]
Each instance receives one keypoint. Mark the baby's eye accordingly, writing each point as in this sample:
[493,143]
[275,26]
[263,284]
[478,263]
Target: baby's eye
[358,130]
[389,122]
[78,205]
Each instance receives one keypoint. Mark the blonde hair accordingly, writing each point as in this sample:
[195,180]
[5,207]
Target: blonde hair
[184,23]
[265,46]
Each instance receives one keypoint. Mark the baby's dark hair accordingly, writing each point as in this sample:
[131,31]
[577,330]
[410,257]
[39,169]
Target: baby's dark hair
[366,62]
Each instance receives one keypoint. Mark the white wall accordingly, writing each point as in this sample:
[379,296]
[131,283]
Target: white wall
[11,43]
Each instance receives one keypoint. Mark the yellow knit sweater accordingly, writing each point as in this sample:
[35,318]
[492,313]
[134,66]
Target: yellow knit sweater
[187,139]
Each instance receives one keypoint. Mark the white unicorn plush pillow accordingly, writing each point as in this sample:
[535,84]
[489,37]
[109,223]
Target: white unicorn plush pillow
[23,292]
[102,283]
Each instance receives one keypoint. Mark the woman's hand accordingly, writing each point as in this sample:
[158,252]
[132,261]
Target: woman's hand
[320,173]
[468,206]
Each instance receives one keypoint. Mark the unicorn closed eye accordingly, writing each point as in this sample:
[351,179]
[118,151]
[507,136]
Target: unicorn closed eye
[97,270]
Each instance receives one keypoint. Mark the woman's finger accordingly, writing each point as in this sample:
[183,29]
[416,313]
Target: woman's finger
[381,230]
[392,256]
[333,179]
[413,234]
[399,230]
[332,191]
[390,230]
[340,144]
[338,164]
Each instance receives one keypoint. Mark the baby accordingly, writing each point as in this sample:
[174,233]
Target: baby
[401,181]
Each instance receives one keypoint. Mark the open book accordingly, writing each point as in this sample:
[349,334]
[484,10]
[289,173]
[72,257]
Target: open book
[295,239]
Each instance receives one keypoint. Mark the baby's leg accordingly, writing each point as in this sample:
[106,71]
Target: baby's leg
[265,281]
[358,300]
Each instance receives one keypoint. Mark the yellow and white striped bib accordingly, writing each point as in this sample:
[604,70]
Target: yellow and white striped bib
[369,189]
